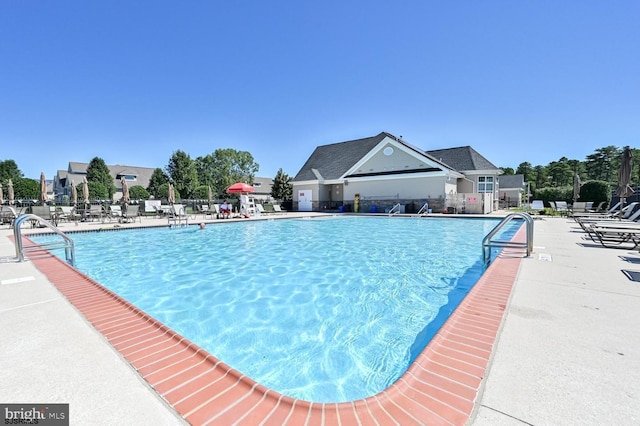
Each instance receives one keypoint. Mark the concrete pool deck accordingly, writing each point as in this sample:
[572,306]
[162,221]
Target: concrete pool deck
[568,351]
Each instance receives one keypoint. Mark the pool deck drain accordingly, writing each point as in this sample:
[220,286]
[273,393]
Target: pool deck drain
[440,387]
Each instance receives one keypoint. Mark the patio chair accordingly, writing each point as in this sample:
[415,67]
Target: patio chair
[618,236]
[537,205]
[44,212]
[8,214]
[613,211]
[115,212]
[131,213]
[178,215]
[278,209]
[67,213]
[562,207]
[205,210]
[586,223]
[94,212]
[260,209]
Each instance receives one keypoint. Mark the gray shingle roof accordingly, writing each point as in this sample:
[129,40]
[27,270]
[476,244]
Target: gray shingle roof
[332,161]
[463,158]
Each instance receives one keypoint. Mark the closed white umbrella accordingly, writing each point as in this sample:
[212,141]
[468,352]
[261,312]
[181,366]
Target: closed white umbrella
[74,194]
[171,197]
[10,193]
[43,189]
[85,191]
[125,191]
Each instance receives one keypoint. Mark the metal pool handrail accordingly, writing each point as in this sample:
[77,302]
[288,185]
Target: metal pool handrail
[488,242]
[393,208]
[66,242]
[423,210]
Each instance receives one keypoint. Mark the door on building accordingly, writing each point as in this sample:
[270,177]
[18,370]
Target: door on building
[304,200]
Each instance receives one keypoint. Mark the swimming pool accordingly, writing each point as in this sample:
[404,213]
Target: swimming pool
[349,300]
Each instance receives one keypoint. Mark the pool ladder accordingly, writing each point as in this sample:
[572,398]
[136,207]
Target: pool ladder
[21,249]
[488,242]
[395,209]
[423,210]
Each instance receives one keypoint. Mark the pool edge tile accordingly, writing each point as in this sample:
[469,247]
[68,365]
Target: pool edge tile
[490,296]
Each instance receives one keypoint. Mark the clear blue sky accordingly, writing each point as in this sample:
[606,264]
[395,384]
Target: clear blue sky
[134,81]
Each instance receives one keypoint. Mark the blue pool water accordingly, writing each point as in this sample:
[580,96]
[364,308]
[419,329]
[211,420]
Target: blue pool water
[327,310]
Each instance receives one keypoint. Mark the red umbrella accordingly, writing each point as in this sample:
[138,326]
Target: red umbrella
[240,187]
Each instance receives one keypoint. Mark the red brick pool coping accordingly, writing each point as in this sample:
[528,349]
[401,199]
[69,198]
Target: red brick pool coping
[440,387]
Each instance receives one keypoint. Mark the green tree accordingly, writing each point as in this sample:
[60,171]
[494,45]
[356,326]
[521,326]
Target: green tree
[97,191]
[507,171]
[26,189]
[201,192]
[138,192]
[282,189]
[635,176]
[596,191]
[526,169]
[540,177]
[600,164]
[182,172]
[9,170]
[578,167]
[560,172]
[206,169]
[158,177]
[98,172]
[224,167]
[163,192]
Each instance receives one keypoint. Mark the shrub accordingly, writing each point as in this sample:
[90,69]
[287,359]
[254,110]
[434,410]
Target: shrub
[163,192]
[201,192]
[138,192]
[596,191]
[555,193]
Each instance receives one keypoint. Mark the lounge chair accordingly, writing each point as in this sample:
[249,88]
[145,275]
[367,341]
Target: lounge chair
[260,209]
[178,215]
[616,236]
[579,207]
[586,223]
[131,213]
[537,205]
[277,209]
[8,214]
[628,215]
[609,213]
[45,212]
[115,212]
[67,213]
[94,212]
[205,210]
[562,207]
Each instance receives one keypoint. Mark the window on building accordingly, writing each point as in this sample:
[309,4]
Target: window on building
[127,177]
[485,183]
